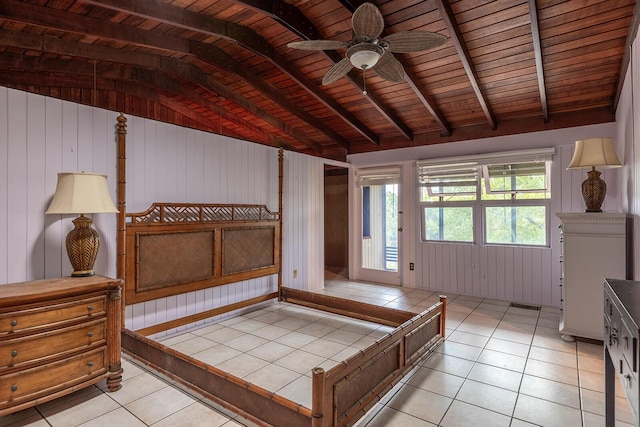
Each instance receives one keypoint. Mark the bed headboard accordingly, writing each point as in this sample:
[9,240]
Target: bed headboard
[173,248]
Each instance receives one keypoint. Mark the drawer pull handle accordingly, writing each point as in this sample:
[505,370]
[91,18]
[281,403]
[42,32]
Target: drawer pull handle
[14,387]
[90,308]
[627,381]
[613,337]
[90,364]
[14,353]
[90,334]
[14,323]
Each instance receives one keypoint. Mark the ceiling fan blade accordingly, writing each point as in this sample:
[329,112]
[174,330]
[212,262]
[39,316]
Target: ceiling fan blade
[414,41]
[340,69]
[367,21]
[389,68]
[317,45]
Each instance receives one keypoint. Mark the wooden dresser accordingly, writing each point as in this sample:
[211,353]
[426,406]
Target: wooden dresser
[57,336]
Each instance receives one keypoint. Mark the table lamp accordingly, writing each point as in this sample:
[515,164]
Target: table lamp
[590,153]
[82,193]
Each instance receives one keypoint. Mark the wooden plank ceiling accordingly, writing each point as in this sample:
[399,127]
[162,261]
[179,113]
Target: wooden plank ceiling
[223,66]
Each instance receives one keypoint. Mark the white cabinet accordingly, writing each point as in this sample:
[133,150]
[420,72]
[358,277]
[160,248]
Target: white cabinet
[595,246]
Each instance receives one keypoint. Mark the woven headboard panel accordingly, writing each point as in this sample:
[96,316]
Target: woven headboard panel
[177,248]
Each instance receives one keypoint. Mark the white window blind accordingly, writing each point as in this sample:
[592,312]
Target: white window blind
[465,171]
[449,178]
[378,176]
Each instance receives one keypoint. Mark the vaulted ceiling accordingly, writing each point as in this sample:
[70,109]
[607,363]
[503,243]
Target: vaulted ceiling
[223,66]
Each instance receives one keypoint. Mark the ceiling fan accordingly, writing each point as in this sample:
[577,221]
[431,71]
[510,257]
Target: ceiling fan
[367,51]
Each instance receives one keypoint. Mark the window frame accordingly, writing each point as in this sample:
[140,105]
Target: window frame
[515,203]
[479,204]
[449,204]
[486,179]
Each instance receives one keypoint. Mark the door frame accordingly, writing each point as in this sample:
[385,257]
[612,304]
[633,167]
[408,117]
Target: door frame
[356,270]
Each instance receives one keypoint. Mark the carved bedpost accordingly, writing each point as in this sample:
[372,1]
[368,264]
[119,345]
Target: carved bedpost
[122,197]
[280,183]
[115,304]
[317,398]
[443,316]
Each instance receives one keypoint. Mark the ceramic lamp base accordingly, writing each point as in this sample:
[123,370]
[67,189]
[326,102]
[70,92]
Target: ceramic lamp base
[593,191]
[83,243]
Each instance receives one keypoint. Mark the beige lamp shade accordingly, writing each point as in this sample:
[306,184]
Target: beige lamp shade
[590,153]
[594,152]
[81,192]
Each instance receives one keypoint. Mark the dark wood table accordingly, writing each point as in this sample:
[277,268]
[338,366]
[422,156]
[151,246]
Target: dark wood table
[621,346]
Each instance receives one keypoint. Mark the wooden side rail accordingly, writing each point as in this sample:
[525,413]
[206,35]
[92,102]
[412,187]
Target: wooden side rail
[359,310]
[192,318]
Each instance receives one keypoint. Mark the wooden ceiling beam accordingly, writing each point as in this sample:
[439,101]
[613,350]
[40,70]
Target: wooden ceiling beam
[626,59]
[177,67]
[537,51]
[56,72]
[507,127]
[217,57]
[413,81]
[154,79]
[458,41]
[295,21]
[46,17]
[50,84]
[248,39]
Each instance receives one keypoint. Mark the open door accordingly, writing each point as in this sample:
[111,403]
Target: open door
[380,238]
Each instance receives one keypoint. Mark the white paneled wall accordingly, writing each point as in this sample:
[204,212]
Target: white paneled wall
[520,274]
[168,163]
[41,136]
[303,222]
[628,135]
[513,273]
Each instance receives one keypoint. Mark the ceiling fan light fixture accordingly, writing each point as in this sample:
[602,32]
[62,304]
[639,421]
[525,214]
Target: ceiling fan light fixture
[364,56]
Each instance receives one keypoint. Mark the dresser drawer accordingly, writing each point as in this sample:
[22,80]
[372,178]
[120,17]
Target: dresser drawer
[43,380]
[629,381]
[44,346]
[54,313]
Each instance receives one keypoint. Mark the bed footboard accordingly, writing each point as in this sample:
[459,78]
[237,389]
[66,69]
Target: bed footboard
[242,397]
[347,391]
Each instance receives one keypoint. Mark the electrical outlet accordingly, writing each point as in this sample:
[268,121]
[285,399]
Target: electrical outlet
[295,274]
[411,266]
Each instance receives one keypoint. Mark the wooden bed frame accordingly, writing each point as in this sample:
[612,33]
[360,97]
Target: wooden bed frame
[175,248]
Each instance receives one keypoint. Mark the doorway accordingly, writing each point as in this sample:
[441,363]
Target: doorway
[336,222]
[379,241]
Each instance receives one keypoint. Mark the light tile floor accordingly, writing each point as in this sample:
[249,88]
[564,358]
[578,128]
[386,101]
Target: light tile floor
[500,366]
[299,339]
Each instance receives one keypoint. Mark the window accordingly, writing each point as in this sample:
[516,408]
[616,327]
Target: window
[500,198]
[448,223]
[516,178]
[516,225]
